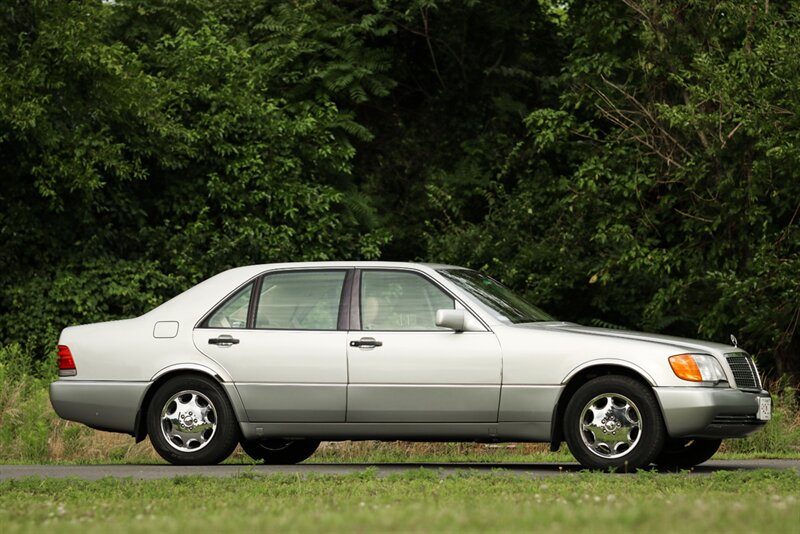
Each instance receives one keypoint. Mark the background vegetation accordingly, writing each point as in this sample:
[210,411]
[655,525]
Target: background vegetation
[626,163]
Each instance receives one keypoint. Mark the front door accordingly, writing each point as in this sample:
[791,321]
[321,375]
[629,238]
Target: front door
[279,339]
[405,369]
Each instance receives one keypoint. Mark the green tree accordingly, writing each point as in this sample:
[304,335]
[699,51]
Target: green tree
[467,73]
[143,153]
[626,163]
[660,192]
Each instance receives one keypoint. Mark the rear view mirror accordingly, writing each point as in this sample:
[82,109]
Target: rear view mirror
[453,319]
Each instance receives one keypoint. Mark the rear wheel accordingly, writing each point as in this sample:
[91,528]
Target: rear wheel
[614,422]
[280,451]
[190,422]
[686,453]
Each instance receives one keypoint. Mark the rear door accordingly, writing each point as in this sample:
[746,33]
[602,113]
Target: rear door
[403,368]
[280,339]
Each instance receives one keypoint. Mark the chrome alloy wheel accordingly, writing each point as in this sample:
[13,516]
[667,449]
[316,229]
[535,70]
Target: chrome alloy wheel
[610,425]
[188,421]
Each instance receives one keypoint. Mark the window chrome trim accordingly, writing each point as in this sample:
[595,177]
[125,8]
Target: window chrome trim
[256,281]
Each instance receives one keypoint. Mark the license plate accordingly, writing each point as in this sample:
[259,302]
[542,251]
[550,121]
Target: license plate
[764,409]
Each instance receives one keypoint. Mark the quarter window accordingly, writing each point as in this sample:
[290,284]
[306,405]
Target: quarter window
[232,314]
[396,300]
[301,300]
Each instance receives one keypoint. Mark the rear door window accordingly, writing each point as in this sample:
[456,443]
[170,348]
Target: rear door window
[300,300]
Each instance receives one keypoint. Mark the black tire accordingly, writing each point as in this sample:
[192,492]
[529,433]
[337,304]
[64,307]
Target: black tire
[614,422]
[190,421]
[279,451]
[686,453]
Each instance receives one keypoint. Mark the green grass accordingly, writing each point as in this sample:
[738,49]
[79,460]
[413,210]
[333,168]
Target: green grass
[417,453]
[762,501]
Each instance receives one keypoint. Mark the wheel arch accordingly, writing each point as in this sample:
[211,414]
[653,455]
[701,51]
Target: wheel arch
[229,390]
[581,375]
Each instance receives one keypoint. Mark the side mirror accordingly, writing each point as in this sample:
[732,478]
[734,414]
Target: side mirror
[453,319]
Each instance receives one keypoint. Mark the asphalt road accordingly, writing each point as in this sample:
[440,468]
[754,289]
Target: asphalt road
[149,472]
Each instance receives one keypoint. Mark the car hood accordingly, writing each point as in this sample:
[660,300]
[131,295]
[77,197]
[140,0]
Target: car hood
[683,343]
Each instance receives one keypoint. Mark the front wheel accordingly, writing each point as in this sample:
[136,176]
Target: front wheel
[686,453]
[190,422]
[614,422]
[280,451]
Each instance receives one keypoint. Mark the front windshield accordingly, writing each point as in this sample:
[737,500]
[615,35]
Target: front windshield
[501,301]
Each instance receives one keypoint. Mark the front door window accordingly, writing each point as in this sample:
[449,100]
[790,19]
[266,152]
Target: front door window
[397,300]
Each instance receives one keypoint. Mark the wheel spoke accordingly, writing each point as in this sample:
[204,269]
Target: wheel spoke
[188,421]
[610,425]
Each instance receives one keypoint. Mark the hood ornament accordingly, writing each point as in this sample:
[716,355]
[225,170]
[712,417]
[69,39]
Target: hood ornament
[734,341]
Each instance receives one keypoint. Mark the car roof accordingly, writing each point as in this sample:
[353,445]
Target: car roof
[361,264]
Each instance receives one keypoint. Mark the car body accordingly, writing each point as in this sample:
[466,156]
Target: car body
[281,356]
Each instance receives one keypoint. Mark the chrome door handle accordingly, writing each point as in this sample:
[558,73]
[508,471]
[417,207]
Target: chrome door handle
[223,341]
[366,343]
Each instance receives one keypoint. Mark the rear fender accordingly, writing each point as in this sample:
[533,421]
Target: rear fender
[166,373]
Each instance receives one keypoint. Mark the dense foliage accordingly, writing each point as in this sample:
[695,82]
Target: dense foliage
[624,163]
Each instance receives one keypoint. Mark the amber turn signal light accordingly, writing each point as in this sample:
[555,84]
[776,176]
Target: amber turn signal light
[684,366]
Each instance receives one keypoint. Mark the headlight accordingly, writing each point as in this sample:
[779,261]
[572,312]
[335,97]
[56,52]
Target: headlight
[697,368]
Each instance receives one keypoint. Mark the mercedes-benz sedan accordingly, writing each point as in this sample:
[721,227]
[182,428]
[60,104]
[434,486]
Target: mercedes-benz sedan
[279,357]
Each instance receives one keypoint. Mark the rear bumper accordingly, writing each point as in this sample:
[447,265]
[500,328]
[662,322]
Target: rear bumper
[110,406]
[709,412]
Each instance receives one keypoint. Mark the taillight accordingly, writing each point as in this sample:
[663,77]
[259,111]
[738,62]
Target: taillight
[66,365]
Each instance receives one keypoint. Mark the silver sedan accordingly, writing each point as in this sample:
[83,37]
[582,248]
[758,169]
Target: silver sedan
[279,357]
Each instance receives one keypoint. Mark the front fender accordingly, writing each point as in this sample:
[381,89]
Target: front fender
[609,361]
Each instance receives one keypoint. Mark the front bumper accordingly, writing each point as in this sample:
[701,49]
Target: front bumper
[699,412]
[110,406]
